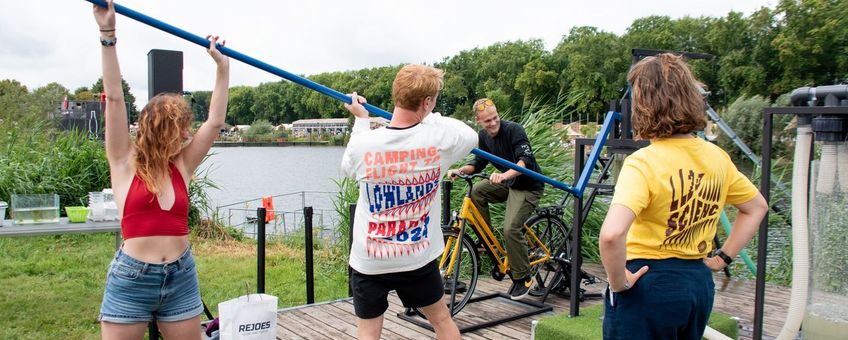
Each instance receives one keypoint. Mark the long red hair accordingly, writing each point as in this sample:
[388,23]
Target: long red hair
[161,125]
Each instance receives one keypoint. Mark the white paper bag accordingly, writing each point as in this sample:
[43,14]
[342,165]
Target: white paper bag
[249,317]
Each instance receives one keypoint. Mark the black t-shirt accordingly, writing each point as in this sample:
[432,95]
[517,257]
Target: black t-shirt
[511,143]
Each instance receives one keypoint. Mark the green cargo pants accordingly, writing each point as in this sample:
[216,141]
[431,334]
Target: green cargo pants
[519,206]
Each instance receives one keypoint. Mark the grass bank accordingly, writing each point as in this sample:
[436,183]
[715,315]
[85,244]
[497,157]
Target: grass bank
[52,285]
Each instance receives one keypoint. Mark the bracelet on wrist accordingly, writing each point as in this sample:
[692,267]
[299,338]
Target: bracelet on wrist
[107,30]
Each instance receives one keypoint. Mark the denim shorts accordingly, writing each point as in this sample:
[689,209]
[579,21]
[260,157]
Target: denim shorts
[140,292]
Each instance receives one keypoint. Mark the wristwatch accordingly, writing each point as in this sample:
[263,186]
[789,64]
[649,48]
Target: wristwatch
[727,259]
[108,42]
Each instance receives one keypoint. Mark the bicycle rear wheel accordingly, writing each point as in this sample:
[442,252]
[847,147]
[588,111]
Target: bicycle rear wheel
[556,237]
[463,273]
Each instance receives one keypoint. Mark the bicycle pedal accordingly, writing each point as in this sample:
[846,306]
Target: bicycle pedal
[538,254]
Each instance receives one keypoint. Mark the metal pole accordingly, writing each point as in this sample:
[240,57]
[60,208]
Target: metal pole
[575,238]
[762,240]
[260,250]
[310,280]
[446,203]
[152,330]
[196,39]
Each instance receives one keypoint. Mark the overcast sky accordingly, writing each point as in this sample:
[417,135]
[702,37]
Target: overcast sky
[57,40]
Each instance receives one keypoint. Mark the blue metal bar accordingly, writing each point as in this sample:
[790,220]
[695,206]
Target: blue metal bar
[532,174]
[306,82]
[600,141]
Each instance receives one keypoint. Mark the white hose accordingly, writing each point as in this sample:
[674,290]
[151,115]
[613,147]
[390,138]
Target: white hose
[842,161]
[800,243]
[712,334]
[827,170]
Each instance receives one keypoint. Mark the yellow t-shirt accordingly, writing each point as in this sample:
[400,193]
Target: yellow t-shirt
[677,187]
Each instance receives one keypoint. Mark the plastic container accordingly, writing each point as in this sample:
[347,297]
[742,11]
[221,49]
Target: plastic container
[96,206]
[3,207]
[34,209]
[826,315]
[111,208]
[76,214]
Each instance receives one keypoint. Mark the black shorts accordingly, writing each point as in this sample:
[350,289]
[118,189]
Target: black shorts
[417,288]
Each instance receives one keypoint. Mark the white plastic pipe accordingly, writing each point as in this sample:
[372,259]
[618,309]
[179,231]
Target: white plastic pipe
[842,162]
[800,242]
[712,334]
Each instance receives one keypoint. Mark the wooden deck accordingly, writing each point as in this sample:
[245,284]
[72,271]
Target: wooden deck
[335,319]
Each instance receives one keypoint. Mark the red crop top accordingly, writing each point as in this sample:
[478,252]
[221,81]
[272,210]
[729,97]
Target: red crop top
[143,216]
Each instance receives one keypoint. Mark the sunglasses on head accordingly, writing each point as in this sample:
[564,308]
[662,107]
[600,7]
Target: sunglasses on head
[486,103]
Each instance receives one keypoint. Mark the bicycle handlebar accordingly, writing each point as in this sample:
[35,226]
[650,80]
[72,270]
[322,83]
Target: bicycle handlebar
[468,178]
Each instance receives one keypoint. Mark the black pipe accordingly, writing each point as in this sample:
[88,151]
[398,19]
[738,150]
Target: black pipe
[260,250]
[762,239]
[809,96]
[310,271]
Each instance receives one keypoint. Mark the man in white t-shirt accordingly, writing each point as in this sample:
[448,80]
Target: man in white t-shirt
[397,237]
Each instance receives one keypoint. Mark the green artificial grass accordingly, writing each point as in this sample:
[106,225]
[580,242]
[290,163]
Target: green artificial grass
[588,325]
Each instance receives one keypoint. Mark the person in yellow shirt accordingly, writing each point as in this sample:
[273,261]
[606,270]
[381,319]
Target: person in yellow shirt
[657,236]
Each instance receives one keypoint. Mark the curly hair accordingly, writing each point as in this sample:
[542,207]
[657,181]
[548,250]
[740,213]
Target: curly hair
[160,136]
[415,82]
[666,99]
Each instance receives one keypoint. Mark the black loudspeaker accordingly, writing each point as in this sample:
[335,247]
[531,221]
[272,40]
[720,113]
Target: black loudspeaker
[164,72]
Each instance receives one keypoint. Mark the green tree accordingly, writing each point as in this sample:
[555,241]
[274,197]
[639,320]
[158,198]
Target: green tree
[259,129]
[47,98]
[812,44]
[13,100]
[200,104]
[240,104]
[473,74]
[652,32]
[268,104]
[83,94]
[593,63]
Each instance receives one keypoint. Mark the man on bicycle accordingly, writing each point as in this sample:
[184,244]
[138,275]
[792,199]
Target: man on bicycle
[507,140]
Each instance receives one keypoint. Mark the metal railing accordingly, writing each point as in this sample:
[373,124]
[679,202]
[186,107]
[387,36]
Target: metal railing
[289,219]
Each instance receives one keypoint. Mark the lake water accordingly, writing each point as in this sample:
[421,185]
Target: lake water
[249,173]
[245,173]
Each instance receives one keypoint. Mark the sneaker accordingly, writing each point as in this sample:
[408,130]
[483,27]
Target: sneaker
[520,288]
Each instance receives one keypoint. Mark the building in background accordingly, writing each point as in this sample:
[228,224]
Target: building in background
[330,126]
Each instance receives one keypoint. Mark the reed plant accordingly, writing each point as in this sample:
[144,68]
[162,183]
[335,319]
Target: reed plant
[36,158]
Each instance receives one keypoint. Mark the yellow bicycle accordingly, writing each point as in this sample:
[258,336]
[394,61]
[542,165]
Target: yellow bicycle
[460,262]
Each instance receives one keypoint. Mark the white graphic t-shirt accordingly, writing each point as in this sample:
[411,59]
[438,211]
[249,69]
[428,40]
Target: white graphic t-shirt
[397,226]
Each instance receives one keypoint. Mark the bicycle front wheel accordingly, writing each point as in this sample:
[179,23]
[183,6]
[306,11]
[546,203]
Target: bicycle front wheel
[556,237]
[459,266]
